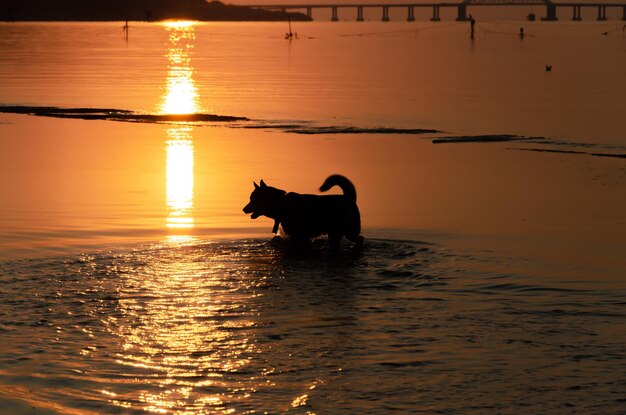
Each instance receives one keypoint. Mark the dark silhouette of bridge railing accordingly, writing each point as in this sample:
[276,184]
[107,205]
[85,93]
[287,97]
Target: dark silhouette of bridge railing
[551,8]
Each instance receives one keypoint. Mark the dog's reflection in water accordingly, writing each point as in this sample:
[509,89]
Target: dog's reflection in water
[305,216]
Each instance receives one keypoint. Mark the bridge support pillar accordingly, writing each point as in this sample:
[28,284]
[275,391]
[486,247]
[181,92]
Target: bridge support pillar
[462,14]
[550,13]
[334,18]
[435,17]
[601,12]
[385,14]
[624,14]
[359,13]
[309,12]
[576,17]
[411,14]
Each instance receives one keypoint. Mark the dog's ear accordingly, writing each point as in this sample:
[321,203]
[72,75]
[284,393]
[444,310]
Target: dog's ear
[263,183]
[256,186]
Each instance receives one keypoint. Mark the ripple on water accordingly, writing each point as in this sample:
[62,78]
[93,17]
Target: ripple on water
[251,327]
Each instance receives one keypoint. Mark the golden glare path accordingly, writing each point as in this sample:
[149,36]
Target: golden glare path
[181,97]
[179,177]
[176,342]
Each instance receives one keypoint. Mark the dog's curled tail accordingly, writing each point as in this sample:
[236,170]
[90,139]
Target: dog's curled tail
[338,180]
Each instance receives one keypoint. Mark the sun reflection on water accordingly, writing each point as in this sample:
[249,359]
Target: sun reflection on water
[184,315]
[171,307]
[181,97]
[181,93]
[175,335]
[179,178]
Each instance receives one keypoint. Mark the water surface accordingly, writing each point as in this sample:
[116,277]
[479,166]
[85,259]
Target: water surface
[491,191]
[250,327]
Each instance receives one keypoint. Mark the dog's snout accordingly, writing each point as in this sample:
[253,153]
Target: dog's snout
[247,209]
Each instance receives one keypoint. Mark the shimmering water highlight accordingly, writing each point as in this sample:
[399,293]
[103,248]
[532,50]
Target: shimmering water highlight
[251,327]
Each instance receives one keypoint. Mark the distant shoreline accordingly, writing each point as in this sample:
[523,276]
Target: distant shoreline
[169,19]
[136,11]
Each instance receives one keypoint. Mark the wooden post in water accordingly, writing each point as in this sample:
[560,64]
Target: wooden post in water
[335,18]
[601,13]
[576,16]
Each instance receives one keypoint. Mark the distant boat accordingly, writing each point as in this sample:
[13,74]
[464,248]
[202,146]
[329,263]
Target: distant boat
[531,17]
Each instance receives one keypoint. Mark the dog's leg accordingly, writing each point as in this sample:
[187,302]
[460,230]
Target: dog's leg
[334,239]
[299,243]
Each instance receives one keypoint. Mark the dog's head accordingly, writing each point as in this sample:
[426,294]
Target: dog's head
[264,200]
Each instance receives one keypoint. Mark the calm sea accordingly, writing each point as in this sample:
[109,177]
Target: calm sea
[492,192]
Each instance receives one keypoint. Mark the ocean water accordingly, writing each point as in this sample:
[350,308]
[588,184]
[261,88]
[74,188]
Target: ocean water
[492,193]
[249,327]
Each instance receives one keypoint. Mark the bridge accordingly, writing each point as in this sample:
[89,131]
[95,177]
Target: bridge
[551,8]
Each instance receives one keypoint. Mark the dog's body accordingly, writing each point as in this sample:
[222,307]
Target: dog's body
[305,216]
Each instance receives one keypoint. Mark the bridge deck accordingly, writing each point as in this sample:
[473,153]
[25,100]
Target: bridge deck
[441,4]
[551,8]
